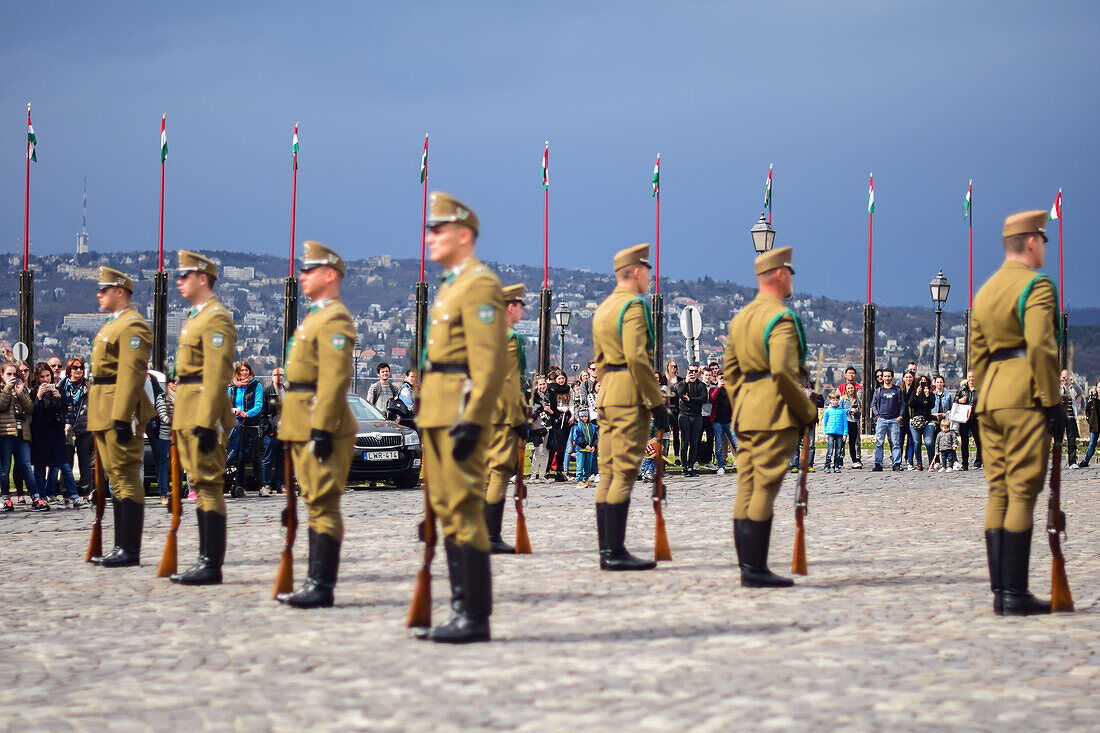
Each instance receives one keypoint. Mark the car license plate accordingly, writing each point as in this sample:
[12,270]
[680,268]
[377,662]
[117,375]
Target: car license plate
[381,455]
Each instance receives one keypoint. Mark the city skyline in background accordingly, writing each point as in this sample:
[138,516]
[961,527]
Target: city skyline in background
[925,98]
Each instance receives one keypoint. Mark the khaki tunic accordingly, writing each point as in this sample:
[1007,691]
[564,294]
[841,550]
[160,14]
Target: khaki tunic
[207,349]
[121,350]
[622,337]
[510,413]
[320,353]
[765,349]
[1012,393]
[466,326]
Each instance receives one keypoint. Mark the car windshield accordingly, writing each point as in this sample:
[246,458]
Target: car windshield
[362,409]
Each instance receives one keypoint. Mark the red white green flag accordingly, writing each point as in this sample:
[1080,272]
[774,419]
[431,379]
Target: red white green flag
[424,160]
[1056,209]
[871,196]
[32,141]
[163,140]
[657,176]
[966,203]
[294,146]
[546,165]
[768,189]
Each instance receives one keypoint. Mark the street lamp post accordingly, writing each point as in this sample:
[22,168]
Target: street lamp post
[561,316]
[763,236]
[355,354]
[940,287]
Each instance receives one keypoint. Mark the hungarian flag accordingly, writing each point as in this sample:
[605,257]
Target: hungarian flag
[657,176]
[768,189]
[163,140]
[424,161]
[1056,210]
[294,146]
[32,141]
[546,166]
[966,203]
[871,196]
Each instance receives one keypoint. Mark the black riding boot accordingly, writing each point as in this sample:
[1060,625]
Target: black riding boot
[324,561]
[129,521]
[494,518]
[208,569]
[601,531]
[98,559]
[754,538]
[470,622]
[617,557]
[994,542]
[1015,558]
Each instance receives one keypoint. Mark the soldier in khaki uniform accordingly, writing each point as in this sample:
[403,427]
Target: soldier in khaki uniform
[509,424]
[1014,353]
[118,409]
[317,423]
[622,336]
[203,415]
[463,366]
[763,365]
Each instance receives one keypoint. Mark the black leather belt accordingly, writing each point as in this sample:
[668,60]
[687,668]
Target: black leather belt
[1006,354]
[756,376]
[301,386]
[190,379]
[104,380]
[614,368]
[446,367]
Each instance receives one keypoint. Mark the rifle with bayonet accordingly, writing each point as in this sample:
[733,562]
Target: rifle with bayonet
[1061,599]
[523,542]
[284,576]
[662,552]
[802,496]
[170,557]
[420,609]
[95,543]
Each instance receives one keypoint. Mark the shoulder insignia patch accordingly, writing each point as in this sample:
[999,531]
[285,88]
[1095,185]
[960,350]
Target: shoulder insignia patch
[486,313]
[217,340]
[339,341]
[135,342]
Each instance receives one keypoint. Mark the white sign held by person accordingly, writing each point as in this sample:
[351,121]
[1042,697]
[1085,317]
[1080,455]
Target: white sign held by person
[960,413]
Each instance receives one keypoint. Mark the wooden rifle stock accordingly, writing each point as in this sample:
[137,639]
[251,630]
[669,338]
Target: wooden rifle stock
[420,609]
[284,576]
[523,542]
[801,506]
[1061,599]
[95,543]
[169,559]
[661,550]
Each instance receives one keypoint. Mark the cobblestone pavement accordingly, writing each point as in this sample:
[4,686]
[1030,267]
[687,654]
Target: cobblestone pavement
[891,629]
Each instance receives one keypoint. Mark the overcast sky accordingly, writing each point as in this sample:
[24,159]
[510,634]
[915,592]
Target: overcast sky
[926,95]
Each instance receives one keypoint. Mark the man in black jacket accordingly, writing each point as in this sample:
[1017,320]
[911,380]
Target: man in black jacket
[691,394]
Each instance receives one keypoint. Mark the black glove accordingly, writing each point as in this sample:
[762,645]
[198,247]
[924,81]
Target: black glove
[662,417]
[322,444]
[464,434]
[1056,420]
[124,431]
[207,439]
[524,432]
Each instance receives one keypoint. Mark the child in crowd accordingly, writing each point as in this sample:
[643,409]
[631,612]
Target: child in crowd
[946,443]
[834,421]
[584,437]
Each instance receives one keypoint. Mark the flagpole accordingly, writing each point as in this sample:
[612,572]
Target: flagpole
[290,286]
[27,200]
[970,221]
[870,226]
[658,244]
[545,295]
[1061,281]
[26,275]
[160,278]
[421,291]
[424,216]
